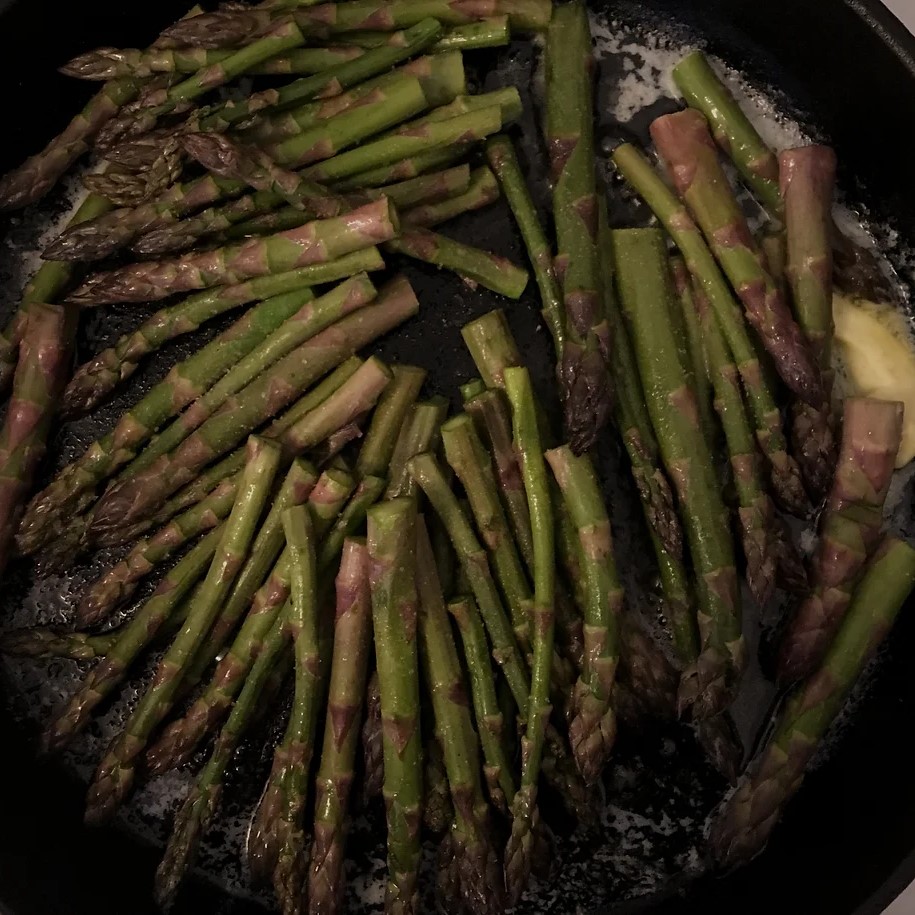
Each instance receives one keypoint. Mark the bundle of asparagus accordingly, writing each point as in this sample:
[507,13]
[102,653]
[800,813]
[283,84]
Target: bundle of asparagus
[476,590]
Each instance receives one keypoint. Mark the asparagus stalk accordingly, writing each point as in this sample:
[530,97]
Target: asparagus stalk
[419,433]
[135,496]
[202,802]
[38,174]
[138,633]
[593,727]
[312,318]
[409,141]
[206,482]
[492,416]
[333,783]
[476,864]
[502,158]
[644,283]
[807,184]
[518,853]
[281,809]
[473,264]
[684,142]
[746,820]
[638,437]
[109,63]
[118,584]
[472,555]
[115,773]
[49,642]
[44,356]
[96,378]
[488,33]
[583,378]
[182,737]
[45,286]
[849,531]
[405,169]
[756,512]
[328,82]
[732,130]
[469,460]
[315,242]
[217,29]
[498,771]
[384,16]
[438,811]
[51,510]
[482,191]
[391,548]
[784,474]
[400,395]
[491,346]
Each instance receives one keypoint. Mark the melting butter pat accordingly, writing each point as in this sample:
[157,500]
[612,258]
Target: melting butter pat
[875,357]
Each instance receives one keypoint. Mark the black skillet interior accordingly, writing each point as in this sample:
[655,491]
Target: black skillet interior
[847,842]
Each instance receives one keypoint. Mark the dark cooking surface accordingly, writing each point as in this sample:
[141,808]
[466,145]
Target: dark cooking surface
[853,823]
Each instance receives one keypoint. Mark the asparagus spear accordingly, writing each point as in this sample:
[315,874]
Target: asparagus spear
[45,286]
[44,355]
[51,510]
[419,433]
[50,642]
[348,676]
[501,156]
[472,555]
[468,458]
[756,512]
[785,477]
[134,496]
[96,378]
[746,820]
[491,413]
[314,317]
[593,728]
[482,191]
[134,121]
[378,446]
[488,33]
[391,548]
[115,773]
[684,142]
[733,132]
[329,82]
[284,799]
[372,749]
[382,15]
[644,283]
[315,242]
[405,169]
[583,378]
[118,584]
[38,174]
[518,852]
[110,63]
[138,633]
[411,140]
[490,720]
[477,864]
[216,29]
[807,183]
[182,737]
[202,802]
[473,264]
[849,531]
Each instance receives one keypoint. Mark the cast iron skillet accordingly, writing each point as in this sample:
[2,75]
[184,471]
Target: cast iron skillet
[847,844]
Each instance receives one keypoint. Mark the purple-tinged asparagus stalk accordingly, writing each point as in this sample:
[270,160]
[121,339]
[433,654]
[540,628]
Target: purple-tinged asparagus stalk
[849,530]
